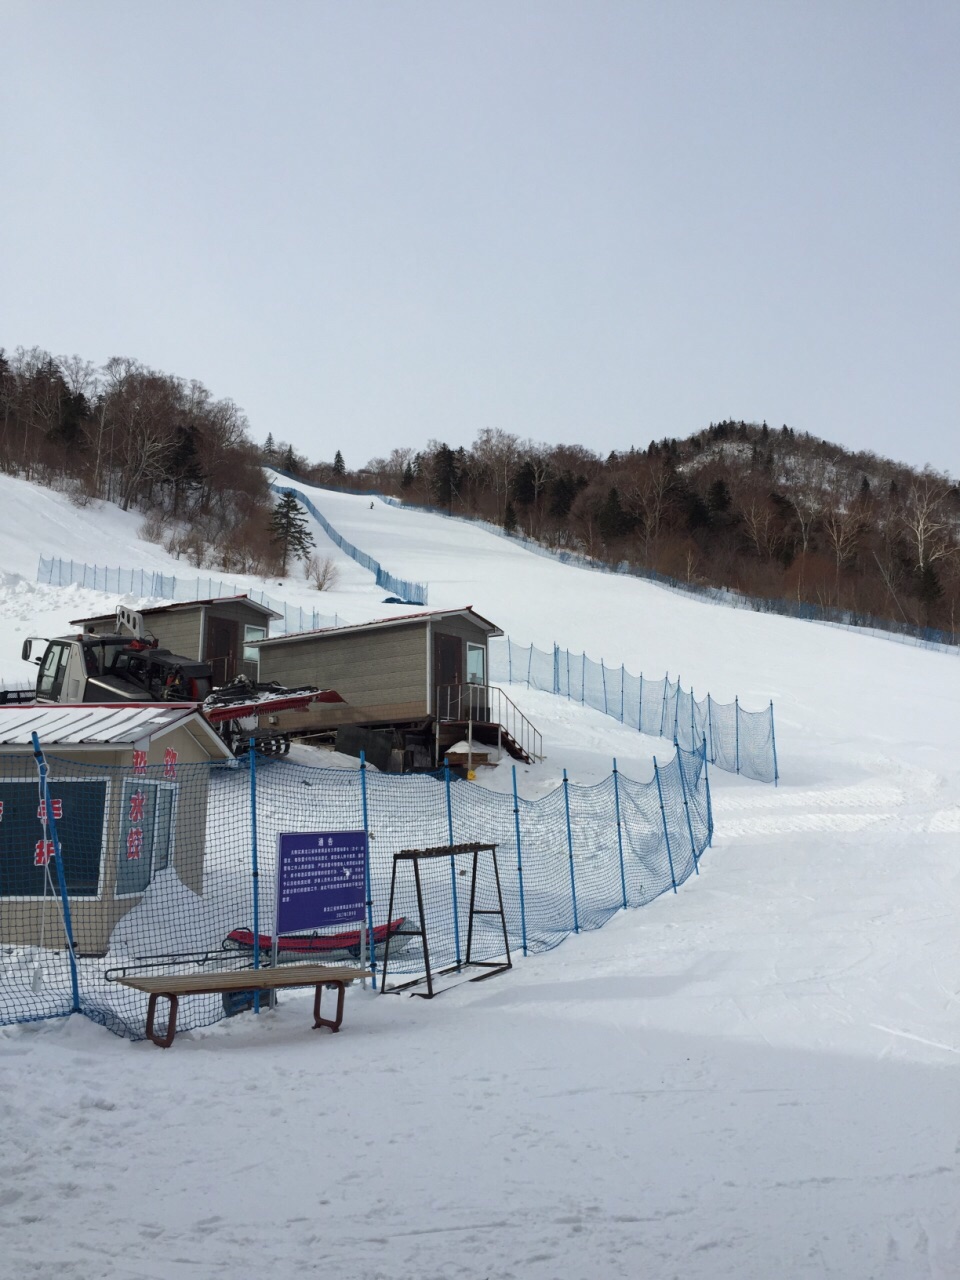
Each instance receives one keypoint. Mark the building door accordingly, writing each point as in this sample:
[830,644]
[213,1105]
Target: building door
[448,673]
[222,648]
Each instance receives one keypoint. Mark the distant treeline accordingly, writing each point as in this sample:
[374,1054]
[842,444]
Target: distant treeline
[774,514]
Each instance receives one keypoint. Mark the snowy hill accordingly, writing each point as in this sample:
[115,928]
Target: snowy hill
[753,1077]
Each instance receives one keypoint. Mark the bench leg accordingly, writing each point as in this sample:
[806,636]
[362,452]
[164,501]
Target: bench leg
[167,1040]
[334,1023]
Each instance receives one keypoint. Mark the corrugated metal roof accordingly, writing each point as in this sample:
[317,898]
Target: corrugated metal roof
[115,724]
[403,619]
[179,605]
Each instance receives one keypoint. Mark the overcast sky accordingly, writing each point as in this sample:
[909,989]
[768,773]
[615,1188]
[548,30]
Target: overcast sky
[370,224]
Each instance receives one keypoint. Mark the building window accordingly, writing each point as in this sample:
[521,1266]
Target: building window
[251,653]
[146,833]
[476,664]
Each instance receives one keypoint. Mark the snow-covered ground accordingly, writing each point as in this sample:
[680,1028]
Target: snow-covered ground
[756,1077]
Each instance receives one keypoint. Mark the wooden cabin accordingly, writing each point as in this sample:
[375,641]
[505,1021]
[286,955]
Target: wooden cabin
[420,677]
[131,804]
[222,632]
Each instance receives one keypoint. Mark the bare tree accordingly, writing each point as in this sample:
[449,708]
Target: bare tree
[323,572]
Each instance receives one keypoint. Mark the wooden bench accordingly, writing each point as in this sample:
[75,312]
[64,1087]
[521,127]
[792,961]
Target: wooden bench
[171,986]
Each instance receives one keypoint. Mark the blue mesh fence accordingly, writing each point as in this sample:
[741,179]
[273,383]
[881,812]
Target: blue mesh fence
[408,592]
[152,584]
[157,865]
[737,741]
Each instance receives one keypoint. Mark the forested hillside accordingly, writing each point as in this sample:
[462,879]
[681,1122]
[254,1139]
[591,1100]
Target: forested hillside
[773,514]
[776,514]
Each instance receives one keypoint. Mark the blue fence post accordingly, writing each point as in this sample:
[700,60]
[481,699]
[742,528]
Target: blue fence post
[509,661]
[773,743]
[516,825]
[686,809]
[736,723]
[693,722]
[369,880]
[706,784]
[573,881]
[663,816]
[568,673]
[623,681]
[713,750]
[61,879]
[616,795]
[583,676]
[640,708]
[663,709]
[556,668]
[676,710]
[529,665]
[453,865]
[255,868]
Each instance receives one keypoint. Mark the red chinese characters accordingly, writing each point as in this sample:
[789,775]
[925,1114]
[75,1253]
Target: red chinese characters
[56,810]
[134,843]
[139,762]
[170,763]
[43,852]
[137,802]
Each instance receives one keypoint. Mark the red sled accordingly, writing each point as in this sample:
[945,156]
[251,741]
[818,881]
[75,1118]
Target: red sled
[311,944]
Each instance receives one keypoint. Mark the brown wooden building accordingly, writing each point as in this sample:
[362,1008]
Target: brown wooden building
[422,675]
[223,632]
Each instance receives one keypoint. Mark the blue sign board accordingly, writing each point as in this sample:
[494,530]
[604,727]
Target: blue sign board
[320,879]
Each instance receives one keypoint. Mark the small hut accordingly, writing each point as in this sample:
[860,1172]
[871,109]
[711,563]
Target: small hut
[129,801]
[421,679]
[222,632]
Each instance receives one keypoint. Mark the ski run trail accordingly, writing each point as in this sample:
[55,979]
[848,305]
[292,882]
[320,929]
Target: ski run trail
[756,1078]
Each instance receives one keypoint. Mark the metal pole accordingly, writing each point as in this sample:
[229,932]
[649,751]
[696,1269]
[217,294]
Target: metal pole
[706,783]
[773,743]
[369,878]
[616,795]
[686,809]
[640,708]
[529,665]
[255,866]
[663,709]
[623,680]
[516,824]
[736,722]
[573,881]
[713,750]
[663,815]
[676,710]
[453,866]
[603,679]
[583,676]
[61,878]
[568,672]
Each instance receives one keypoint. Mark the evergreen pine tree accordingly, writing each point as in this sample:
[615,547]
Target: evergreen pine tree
[509,519]
[406,480]
[269,448]
[289,532]
[339,466]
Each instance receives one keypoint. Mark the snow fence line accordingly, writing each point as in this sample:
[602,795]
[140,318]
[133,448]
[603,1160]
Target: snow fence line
[407,592]
[153,584]
[735,740]
[161,863]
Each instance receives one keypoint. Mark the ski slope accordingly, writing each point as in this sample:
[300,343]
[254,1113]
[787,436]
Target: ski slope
[754,1077]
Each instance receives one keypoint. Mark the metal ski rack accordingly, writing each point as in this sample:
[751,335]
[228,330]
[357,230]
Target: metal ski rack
[414,857]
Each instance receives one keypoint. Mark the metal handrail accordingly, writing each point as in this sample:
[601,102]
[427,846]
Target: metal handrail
[487,704]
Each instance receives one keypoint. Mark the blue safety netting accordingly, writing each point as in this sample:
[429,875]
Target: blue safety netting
[737,740]
[157,865]
[408,592]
